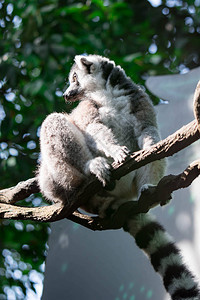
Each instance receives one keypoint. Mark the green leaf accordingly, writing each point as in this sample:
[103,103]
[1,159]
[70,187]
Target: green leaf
[48,8]
[131,57]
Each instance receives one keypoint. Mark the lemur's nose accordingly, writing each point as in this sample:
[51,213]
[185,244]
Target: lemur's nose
[68,95]
[72,93]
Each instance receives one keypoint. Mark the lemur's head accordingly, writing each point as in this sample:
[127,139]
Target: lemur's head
[91,74]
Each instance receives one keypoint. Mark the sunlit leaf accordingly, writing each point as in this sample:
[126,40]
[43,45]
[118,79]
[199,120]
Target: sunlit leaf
[48,8]
[131,57]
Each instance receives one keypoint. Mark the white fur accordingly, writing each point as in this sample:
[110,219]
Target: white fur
[159,239]
[184,281]
[172,259]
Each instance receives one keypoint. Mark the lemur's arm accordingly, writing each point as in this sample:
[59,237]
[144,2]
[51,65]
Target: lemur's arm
[103,140]
[146,128]
[147,135]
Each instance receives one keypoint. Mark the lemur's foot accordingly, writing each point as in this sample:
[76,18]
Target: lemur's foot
[145,188]
[100,168]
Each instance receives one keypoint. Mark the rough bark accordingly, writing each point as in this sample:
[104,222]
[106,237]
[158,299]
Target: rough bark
[167,147]
[197,104]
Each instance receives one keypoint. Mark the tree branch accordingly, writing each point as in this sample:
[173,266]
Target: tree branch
[197,104]
[167,147]
[21,191]
[179,140]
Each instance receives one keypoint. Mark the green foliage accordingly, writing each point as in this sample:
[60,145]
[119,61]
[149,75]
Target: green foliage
[38,42]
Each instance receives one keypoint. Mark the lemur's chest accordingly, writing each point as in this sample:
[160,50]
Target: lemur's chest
[84,114]
[121,122]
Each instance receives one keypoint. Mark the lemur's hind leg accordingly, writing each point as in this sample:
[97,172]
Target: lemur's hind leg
[66,159]
[64,156]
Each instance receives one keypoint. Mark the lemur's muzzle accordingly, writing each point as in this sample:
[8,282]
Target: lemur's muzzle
[72,95]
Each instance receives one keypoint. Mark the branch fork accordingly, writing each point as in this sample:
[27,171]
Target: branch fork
[179,140]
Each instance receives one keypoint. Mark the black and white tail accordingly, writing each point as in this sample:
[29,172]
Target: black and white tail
[165,257]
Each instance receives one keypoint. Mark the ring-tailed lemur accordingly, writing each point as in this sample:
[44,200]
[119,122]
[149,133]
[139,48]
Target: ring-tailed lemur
[114,116]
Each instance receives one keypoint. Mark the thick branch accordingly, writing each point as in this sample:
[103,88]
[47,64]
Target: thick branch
[179,140]
[172,144]
[48,213]
[159,195]
[167,147]
[21,191]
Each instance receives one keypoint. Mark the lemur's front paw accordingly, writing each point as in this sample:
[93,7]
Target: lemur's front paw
[100,168]
[120,154]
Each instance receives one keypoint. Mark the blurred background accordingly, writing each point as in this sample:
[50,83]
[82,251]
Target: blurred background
[38,41]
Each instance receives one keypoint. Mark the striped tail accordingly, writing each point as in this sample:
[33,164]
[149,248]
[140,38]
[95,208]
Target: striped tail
[165,257]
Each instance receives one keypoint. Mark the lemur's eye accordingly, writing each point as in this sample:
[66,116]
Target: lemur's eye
[74,78]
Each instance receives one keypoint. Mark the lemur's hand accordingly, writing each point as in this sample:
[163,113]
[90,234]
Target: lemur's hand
[120,153]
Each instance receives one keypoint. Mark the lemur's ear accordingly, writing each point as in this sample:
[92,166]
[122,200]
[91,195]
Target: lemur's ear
[87,64]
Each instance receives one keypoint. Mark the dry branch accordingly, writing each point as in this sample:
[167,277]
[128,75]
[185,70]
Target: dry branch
[172,144]
[21,191]
[41,214]
[179,140]
[197,104]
